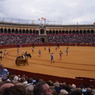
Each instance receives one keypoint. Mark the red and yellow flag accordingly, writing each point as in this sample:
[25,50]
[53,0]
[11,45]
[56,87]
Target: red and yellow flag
[43,18]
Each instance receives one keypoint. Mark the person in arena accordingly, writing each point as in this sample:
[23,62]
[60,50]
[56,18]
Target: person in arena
[49,50]
[32,50]
[39,52]
[67,50]
[17,50]
[56,48]
[44,47]
[60,53]
[52,58]
[5,54]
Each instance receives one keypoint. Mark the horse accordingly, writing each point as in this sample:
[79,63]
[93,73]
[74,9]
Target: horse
[21,60]
[27,55]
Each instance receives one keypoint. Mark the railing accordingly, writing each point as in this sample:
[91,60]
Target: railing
[78,81]
[23,21]
[30,45]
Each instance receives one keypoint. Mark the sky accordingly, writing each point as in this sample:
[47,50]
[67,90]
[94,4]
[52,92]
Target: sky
[55,11]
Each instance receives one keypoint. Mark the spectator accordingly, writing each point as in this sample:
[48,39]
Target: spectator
[15,90]
[63,92]
[57,87]
[42,88]
[29,89]
[76,92]
[4,73]
[4,86]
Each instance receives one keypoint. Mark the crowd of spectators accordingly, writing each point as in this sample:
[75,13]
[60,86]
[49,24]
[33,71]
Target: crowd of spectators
[50,39]
[19,39]
[23,85]
[79,39]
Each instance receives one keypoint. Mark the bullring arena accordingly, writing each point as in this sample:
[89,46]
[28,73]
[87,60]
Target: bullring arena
[80,61]
[80,40]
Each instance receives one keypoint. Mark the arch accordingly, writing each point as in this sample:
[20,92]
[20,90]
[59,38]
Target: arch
[70,31]
[73,32]
[5,30]
[47,32]
[53,31]
[50,32]
[59,31]
[92,31]
[42,31]
[20,31]
[88,32]
[16,31]
[84,32]
[9,30]
[31,32]
[23,31]
[66,31]
[1,30]
[13,30]
[27,31]
[37,32]
[77,31]
[80,31]
[63,32]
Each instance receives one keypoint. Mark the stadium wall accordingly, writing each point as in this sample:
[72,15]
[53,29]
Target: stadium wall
[29,45]
[78,80]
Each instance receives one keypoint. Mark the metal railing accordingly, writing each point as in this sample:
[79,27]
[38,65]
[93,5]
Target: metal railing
[23,21]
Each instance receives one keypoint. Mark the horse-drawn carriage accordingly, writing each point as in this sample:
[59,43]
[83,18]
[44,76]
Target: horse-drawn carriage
[23,59]
[20,60]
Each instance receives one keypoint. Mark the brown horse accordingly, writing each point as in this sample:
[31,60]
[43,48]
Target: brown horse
[20,60]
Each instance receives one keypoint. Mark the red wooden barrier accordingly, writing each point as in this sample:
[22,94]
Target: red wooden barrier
[77,81]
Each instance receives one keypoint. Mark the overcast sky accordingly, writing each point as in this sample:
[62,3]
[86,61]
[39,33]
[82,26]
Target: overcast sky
[64,11]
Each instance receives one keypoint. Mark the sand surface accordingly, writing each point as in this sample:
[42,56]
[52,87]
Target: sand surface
[80,61]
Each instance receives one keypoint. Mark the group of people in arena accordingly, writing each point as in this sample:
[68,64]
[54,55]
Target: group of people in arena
[24,53]
[51,53]
[60,54]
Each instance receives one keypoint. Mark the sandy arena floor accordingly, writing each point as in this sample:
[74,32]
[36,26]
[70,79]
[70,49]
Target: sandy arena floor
[80,61]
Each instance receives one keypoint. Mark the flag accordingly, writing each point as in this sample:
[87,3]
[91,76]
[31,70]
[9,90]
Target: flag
[43,18]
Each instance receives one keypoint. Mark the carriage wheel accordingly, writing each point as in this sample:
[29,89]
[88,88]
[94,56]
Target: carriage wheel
[16,62]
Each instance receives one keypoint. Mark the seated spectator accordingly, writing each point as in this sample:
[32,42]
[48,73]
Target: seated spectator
[76,92]
[4,86]
[15,79]
[4,73]
[29,89]
[63,92]
[88,91]
[15,90]
[42,88]
[57,87]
